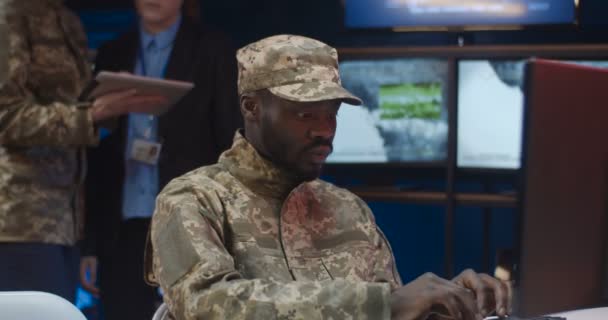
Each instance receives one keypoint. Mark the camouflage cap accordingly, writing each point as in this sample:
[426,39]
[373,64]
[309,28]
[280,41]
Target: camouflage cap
[292,67]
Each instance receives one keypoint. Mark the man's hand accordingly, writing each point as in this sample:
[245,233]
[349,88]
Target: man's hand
[118,103]
[491,294]
[88,265]
[431,295]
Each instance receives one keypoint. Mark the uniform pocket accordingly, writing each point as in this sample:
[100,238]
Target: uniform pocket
[355,262]
[309,269]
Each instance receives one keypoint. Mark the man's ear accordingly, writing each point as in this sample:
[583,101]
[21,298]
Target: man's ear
[250,107]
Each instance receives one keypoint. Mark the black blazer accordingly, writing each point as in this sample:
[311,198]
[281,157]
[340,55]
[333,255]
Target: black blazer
[193,132]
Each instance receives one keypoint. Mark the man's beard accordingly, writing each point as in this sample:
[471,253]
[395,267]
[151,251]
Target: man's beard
[277,149]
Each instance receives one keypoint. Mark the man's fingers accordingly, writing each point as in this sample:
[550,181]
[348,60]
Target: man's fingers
[509,285]
[501,294]
[448,308]
[469,304]
[471,280]
[491,293]
[463,299]
[461,307]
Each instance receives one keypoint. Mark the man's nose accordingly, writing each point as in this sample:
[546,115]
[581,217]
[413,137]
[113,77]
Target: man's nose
[324,129]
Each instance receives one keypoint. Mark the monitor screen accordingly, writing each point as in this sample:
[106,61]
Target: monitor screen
[490,106]
[404,113]
[490,112]
[446,13]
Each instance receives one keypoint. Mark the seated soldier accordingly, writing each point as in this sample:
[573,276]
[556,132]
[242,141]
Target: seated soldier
[259,236]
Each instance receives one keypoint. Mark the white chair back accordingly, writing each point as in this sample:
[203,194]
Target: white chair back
[33,305]
[162,313]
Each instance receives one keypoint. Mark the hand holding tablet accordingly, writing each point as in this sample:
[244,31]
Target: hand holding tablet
[119,93]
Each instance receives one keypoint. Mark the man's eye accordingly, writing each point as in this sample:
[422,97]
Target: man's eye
[305,115]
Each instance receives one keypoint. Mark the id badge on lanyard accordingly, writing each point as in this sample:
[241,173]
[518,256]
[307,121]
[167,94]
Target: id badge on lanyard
[145,151]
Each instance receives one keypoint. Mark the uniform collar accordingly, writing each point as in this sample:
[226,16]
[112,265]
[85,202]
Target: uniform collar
[256,172]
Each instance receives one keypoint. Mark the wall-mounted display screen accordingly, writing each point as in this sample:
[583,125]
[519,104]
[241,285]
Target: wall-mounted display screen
[446,13]
[404,113]
[490,112]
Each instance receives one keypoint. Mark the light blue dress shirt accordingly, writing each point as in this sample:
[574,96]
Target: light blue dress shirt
[141,180]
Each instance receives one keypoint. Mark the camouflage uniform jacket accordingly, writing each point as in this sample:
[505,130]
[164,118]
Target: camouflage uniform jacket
[241,240]
[42,71]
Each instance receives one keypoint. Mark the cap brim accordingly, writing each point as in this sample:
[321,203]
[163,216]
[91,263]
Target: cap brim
[315,91]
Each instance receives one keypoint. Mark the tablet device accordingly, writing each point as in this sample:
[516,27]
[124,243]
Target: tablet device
[106,82]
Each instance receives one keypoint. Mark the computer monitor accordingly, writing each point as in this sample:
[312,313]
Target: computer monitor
[489,118]
[450,13]
[490,112]
[404,117]
[564,200]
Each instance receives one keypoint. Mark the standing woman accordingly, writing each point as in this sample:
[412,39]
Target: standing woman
[168,42]
[43,132]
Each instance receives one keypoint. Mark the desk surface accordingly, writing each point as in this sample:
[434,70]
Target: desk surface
[585,314]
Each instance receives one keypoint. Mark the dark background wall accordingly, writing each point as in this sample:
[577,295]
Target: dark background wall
[248,20]
[415,231]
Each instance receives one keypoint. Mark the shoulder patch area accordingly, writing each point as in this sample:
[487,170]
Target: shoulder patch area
[330,188]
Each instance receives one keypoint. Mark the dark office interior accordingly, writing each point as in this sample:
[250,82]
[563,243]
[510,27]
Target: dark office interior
[444,202]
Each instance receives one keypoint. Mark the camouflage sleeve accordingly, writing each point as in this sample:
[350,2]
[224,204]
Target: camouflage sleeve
[24,119]
[385,268]
[198,275]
